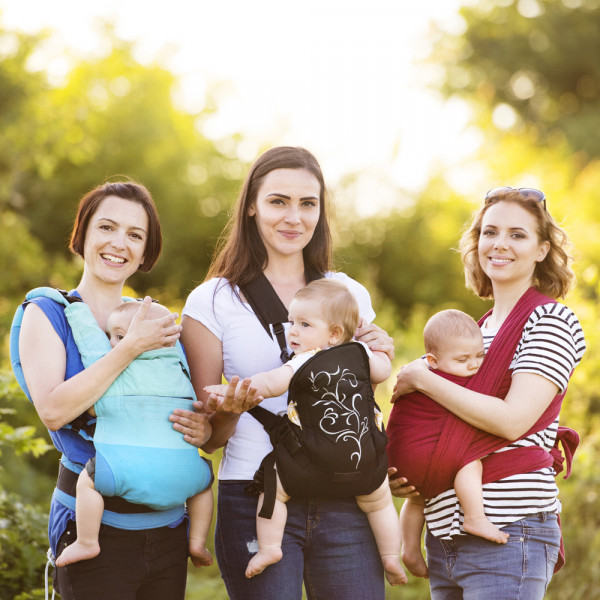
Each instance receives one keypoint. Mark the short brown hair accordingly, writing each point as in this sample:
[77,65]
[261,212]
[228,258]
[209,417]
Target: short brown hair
[127,190]
[552,276]
[449,323]
[339,306]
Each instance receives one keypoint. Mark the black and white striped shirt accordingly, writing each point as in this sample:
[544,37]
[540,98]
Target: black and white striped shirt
[552,345]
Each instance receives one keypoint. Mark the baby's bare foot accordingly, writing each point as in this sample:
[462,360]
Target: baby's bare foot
[394,572]
[484,528]
[413,560]
[77,551]
[266,556]
[200,555]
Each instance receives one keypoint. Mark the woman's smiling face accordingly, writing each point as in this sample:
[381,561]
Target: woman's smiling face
[509,245]
[286,210]
[115,239]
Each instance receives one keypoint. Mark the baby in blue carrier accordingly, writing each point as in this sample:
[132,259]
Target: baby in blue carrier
[120,467]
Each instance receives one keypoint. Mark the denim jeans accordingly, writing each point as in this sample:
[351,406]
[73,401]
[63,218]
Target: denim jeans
[327,543]
[150,564]
[472,568]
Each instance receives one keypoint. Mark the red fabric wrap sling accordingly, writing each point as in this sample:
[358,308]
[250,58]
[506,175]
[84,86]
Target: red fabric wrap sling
[428,444]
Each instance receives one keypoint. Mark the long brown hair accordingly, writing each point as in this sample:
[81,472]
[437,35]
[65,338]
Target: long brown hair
[552,276]
[241,255]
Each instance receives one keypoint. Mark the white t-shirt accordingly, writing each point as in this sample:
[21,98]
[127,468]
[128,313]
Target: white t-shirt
[247,350]
[299,359]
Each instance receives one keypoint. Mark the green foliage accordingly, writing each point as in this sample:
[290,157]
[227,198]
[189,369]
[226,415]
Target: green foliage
[23,537]
[539,58]
[112,117]
[390,256]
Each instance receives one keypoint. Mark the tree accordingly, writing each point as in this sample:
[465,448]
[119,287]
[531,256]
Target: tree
[539,58]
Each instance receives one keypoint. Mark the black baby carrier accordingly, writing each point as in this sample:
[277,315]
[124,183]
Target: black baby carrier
[332,441]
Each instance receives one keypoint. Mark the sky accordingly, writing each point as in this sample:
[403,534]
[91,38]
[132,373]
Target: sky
[341,77]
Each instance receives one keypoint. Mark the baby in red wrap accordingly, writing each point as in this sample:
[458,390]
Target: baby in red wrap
[453,345]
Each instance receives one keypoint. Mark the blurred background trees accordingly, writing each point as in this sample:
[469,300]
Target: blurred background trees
[528,71]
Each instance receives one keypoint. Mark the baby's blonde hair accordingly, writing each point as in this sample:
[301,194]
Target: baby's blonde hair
[337,303]
[446,324]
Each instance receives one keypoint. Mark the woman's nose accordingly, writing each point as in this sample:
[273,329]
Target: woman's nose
[501,242]
[292,215]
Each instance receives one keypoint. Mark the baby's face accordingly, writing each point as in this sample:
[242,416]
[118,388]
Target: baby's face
[117,326]
[308,329]
[460,356]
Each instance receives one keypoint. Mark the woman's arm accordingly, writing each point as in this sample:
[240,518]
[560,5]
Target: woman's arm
[43,357]
[205,356]
[527,399]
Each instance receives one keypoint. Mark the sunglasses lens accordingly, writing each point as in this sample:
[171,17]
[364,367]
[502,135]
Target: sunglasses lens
[527,193]
[532,193]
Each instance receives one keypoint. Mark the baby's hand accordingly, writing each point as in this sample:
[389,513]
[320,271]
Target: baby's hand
[217,390]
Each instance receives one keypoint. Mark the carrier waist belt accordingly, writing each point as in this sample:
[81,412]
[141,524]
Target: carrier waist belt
[67,483]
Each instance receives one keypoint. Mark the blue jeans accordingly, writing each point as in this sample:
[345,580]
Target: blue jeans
[327,543]
[472,568]
[149,564]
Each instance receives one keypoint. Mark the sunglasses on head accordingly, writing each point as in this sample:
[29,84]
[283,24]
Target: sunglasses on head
[527,193]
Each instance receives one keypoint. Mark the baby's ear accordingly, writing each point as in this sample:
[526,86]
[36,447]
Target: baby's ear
[431,360]
[335,335]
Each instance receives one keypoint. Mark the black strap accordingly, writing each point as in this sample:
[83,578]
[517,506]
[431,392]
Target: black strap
[269,310]
[69,299]
[67,483]
[270,483]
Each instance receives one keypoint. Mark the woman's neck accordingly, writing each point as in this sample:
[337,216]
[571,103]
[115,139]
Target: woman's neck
[101,297]
[286,277]
[505,299]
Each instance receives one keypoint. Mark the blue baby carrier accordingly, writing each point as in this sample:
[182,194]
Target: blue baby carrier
[139,456]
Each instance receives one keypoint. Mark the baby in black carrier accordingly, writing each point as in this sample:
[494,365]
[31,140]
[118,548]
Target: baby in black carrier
[332,442]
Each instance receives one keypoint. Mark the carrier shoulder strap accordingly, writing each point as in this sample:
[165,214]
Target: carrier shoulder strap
[269,310]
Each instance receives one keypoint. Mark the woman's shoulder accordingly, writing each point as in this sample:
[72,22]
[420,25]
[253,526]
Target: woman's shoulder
[555,313]
[556,320]
[54,312]
[217,287]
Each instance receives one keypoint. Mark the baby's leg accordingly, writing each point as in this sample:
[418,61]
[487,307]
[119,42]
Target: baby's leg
[383,520]
[269,533]
[88,512]
[467,484]
[412,521]
[200,509]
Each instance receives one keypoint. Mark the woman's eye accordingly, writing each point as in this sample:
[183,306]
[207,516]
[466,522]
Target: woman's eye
[309,203]
[488,232]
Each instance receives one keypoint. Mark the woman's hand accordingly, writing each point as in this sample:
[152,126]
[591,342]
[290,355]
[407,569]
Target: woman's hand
[376,338]
[150,334]
[400,486]
[237,399]
[194,425]
[406,380]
